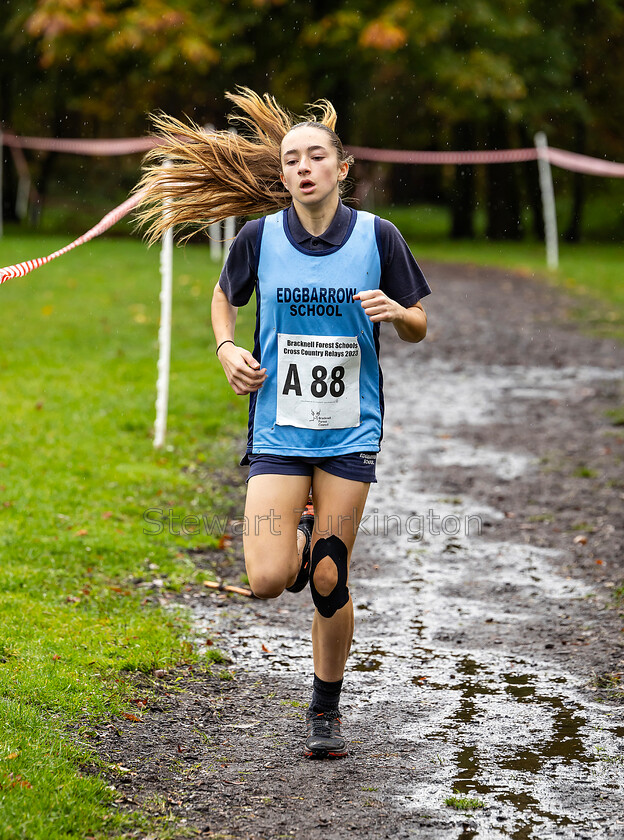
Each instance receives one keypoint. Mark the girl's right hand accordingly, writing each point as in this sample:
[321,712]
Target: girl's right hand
[243,372]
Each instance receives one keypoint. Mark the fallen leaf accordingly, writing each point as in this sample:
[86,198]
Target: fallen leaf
[107,514]
[12,756]
[265,648]
[82,532]
[120,768]
[18,781]
[134,718]
[581,539]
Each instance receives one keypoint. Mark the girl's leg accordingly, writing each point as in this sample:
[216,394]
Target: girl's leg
[272,512]
[338,506]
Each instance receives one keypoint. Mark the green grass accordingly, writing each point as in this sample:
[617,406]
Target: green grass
[584,472]
[461,802]
[616,415]
[611,684]
[78,351]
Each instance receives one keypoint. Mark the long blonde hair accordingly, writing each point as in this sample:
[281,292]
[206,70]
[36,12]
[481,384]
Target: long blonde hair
[193,178]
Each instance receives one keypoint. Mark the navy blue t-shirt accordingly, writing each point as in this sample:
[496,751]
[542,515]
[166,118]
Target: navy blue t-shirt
[246,270]
[401,277]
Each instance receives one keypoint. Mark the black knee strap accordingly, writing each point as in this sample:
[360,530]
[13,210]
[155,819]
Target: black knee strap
[335,548]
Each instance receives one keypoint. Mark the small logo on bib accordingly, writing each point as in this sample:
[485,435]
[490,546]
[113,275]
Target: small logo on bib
[317,420]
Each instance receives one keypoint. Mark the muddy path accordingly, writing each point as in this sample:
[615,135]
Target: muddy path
[488,646]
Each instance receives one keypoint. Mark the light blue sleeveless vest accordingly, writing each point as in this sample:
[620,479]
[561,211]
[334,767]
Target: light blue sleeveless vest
[323,395]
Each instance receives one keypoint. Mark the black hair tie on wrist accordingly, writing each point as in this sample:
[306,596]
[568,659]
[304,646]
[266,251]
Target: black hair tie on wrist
[227,341]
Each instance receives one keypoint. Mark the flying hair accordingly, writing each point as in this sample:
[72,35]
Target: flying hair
[194,178]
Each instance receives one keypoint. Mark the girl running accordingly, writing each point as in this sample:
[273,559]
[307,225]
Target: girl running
[325,277]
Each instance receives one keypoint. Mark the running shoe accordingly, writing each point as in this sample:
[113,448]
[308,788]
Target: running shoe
[306,524]
[324,739]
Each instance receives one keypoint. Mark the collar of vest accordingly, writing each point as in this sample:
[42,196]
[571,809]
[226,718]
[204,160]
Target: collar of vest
[319,253]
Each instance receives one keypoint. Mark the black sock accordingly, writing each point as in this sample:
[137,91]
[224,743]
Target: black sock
[325,695]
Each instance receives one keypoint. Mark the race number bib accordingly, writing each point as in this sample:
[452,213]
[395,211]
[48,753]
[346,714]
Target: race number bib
[318,381]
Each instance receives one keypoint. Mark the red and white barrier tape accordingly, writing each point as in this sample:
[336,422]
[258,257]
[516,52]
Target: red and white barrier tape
[104,224]
[132,145]
[557,157]
[113,146]
[585,164]
[399,156]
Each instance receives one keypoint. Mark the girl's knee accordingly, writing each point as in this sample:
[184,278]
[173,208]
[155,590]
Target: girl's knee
[267,580]
[266,586]
[325,576]
[270,566]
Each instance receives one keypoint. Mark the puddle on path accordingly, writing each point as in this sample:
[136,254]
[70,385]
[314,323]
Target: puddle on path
[458,453]
[451,394]
[516,732]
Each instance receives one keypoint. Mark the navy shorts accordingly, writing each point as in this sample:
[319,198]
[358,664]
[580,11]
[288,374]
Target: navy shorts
[355,466]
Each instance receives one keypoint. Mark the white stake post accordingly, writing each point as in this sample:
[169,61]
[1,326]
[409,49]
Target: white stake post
[548,200]
[229,229]
[214,232]
[164,337]
[228,235]
[23,195]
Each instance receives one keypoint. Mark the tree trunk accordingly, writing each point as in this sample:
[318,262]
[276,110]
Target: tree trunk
[462,195]
[9,178]
[503,198]
[43,180]
[573,231]
[530,177]
[48,163]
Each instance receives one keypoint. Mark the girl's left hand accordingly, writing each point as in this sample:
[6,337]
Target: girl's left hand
[378,306]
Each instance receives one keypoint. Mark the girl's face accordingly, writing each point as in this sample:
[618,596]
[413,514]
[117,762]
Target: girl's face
[310,168]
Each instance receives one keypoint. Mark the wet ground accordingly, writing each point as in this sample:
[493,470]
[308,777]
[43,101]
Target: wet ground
[488,646]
